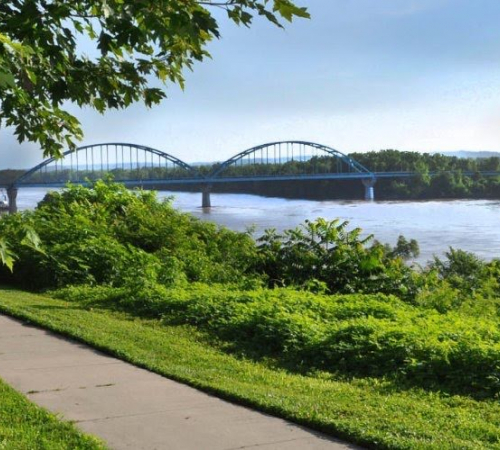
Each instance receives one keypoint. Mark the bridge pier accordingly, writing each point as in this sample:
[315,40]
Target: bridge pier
[369,184]
[12,196]
[205,197]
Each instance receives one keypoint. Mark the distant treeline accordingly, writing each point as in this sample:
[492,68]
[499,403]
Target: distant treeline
[398,161]
[438,176]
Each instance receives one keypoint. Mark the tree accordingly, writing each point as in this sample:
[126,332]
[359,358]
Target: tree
[136,42]
[405,249]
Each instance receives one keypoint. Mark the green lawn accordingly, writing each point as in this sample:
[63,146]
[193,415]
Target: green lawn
[25,426]
[372,412]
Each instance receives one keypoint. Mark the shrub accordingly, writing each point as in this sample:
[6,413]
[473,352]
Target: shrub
[328,252]
[107,234]
[355,335]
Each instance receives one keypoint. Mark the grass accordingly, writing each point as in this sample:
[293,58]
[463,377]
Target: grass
[372,412]
[24,425]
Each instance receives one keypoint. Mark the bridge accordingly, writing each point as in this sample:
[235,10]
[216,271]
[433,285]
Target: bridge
[139,165]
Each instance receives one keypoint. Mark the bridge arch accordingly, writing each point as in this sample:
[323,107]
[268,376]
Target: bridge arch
[283,152]
[104,158]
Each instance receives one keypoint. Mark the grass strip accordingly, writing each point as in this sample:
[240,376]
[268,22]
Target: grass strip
[24,425]
[372,412]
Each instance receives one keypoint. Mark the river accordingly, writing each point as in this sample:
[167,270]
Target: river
[472,225]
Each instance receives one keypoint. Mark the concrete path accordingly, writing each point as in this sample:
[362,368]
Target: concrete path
[131,408]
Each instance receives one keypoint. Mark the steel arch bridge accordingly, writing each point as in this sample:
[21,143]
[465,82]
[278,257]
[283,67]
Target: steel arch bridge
[139,165]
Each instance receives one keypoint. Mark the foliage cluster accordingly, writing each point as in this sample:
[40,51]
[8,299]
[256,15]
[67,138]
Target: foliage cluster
[110,235]
[128,46]
[399,161]
[354,335]
[437,176]
[338,258]
[375,161]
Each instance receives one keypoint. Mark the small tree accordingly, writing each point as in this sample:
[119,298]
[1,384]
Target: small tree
[327,254]
[462,270]
[405,249]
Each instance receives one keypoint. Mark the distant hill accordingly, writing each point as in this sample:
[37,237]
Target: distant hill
[471,154]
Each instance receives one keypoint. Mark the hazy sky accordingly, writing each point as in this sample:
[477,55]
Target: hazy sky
[360,75]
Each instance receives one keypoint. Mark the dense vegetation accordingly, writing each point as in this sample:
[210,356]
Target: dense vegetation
[318,299]
[109,235]
[437,176]
[346,335]
[141,254]
[398,161]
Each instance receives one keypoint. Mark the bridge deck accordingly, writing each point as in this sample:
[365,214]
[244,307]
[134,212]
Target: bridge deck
[254,178]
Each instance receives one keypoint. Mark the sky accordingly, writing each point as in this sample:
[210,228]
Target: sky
[360,75]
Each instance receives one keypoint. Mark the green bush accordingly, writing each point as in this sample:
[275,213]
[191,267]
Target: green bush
[360,335]
[328,252]
[107,234]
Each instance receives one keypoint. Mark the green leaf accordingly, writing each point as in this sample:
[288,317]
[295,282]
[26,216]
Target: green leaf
[7,257]
[32,240]
[7,80]
[288,10]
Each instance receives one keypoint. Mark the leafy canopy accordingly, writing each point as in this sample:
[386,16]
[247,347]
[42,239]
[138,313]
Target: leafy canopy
[133,44]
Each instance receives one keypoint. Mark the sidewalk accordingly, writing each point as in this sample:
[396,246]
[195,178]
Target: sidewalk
[131,408]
